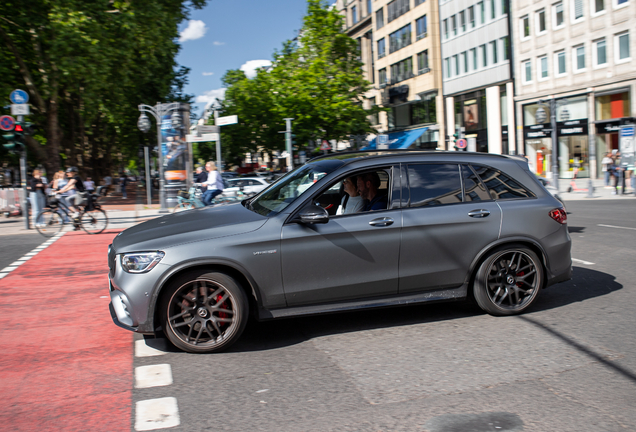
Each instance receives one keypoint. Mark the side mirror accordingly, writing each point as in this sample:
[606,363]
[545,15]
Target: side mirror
[314,215]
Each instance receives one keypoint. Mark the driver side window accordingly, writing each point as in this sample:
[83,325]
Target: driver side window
[359,192]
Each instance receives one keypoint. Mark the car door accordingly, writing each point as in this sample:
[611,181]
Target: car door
[450,218]
[352,256]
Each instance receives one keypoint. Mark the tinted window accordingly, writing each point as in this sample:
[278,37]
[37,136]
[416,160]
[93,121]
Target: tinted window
[474,189]
[499,185]
[434,184]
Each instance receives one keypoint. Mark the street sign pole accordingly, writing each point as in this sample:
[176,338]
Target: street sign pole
[219,159]
[148,181]
[288,144]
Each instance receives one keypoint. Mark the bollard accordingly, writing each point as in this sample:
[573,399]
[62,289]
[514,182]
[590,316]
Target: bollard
[590,189]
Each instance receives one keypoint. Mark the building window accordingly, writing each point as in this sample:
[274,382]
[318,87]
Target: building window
[373,118]
[471,16]
[482,12]
[620,3]
[505,42]
[381,48]
[493,48]
[600,53]
[419,2]
[425,111]
[465,61]
[446,28]
[541,21]
[447,67]
[560,63]
[622,48]
[504,7]
[382,76]
[525,27]
[484,55]
[579,58]
[527,71]
[402,70]
[557,15]
[400,38]
[422,62]
[492,9]
[369,7]
[397,8]
[577,10]
[473,53]
[421,27]
[456,64]
[379,19]
[454,25]
[354,14]
[598,6]
[462,20]
[543,67]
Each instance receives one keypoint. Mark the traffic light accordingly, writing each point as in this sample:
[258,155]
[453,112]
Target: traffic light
[15,139]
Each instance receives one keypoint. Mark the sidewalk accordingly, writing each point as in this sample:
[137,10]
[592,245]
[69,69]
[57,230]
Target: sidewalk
[600,191]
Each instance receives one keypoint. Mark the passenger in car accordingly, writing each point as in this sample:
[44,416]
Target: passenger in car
[368,185]
[351,202]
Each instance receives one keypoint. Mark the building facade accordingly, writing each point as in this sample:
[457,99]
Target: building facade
[574,56]
[477,74]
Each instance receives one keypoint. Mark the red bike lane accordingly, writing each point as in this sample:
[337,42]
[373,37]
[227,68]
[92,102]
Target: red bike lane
[64,363]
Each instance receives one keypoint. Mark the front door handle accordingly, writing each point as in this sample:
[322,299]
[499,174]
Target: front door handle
[478,213]
[385,221]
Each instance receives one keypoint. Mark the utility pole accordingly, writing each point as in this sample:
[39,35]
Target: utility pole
[288,143]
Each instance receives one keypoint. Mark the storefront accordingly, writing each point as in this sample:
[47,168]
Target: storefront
[612,111]
[470,113]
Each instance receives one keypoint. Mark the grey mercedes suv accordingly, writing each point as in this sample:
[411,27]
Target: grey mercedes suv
[427,226]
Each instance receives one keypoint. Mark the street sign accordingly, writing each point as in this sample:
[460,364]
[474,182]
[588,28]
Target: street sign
[626,144]
[206,129]
[325,145]
[7,123]
[383,139]
[461,143]
[20,109]
[19,96]
[202,138]
[227,120]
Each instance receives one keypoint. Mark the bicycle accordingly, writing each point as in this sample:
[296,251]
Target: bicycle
[91,219]
[192,199]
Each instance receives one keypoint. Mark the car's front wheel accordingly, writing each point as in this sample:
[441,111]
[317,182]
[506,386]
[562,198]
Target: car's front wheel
[203,312]
[508,280]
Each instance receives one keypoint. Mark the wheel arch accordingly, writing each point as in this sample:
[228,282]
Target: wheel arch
[245,281]
[531,244]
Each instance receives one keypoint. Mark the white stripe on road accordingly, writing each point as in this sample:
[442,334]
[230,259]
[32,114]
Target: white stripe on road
[582,262]
[143,350]
[619,227]
[153,376]
[5,271]
[3,275]
[154,414]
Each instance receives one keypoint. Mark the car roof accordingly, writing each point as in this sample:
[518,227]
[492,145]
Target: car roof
[353,156]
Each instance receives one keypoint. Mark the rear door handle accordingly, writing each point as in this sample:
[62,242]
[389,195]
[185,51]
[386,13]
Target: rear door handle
[385,221]
[478,213]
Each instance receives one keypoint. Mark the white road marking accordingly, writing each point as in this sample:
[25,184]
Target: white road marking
[153,376]
[9,269]
[17,263]
[614,226]
[5,271]
[155,414]
[143,350]
[25,258]
[3,275]
[582,262]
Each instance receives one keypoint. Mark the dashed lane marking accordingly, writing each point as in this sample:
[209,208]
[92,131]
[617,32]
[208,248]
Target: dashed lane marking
[619,227]
[155,414]
[153,376]
[14,265]
[582,262]
[142,349]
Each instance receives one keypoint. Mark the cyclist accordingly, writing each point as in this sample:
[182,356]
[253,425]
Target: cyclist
[214,184]
[74,182]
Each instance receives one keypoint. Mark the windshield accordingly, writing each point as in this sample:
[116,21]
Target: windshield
[277,197]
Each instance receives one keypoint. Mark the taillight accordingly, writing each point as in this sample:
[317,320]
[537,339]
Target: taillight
[559,215]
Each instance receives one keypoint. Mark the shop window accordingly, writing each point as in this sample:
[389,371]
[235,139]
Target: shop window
[612,106]
[425,111]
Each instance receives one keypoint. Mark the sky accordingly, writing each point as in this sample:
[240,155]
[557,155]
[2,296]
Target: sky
[233,34]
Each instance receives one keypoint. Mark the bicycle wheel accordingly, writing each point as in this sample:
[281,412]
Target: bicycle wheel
[94,221]
[49,222]
[183,206]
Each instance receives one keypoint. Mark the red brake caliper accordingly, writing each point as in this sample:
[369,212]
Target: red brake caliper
[519,274]
[222,305]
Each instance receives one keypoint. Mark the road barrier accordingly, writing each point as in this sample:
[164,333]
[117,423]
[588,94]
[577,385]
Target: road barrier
[10,200]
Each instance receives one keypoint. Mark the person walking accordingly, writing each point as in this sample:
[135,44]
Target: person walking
[36,194]
[607,164]
[89,185]
[123,181]
[214,184]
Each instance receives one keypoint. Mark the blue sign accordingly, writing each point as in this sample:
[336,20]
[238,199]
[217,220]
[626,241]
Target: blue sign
[19,96]
[627,131]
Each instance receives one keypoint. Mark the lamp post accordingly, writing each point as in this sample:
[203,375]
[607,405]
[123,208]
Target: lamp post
[540,116]
[158,111]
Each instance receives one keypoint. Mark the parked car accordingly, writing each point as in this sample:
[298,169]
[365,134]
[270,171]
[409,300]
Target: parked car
[249,185]
[450,226]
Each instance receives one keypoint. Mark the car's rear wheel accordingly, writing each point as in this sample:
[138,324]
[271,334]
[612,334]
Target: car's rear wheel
[204,312]
[508,280]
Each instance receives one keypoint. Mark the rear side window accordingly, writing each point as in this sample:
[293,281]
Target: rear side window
[434,184]
[500,186]
[474,189]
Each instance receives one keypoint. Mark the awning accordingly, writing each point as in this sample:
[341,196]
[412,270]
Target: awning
[399,140]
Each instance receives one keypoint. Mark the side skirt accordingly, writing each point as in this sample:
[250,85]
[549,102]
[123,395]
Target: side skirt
[400,300]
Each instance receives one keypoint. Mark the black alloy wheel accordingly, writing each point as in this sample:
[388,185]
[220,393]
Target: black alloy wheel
[204,312]
[508,281]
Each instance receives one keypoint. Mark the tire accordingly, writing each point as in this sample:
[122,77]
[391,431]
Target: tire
[94,221]
[182,207]
[49,223]
[508,281]
[208,322]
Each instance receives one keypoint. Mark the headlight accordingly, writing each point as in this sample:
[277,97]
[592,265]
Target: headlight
[140,262]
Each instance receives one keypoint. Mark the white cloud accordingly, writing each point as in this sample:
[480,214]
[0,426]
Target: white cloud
[209,97]
[217,43]
[208,73]
[250,67]
[195,30]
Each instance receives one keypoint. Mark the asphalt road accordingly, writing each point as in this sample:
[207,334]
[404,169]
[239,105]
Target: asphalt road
[567,365]
[13,247]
